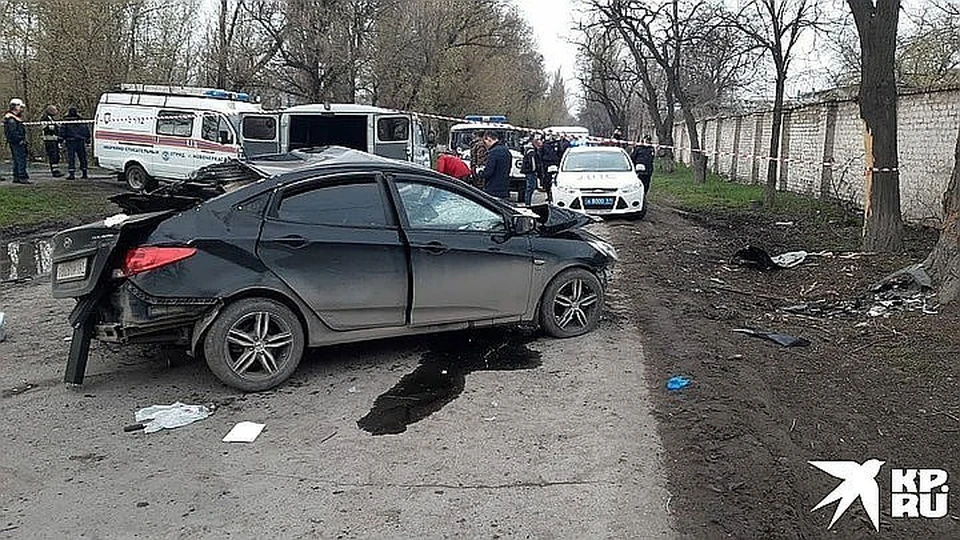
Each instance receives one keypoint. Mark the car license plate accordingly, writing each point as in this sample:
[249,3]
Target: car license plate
[70,270]
[598,201]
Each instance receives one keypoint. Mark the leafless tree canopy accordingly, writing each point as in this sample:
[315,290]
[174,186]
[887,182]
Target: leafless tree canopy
[433,55]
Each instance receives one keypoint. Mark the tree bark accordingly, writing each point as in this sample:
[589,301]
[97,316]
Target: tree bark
[882,220]
[773,163]
[697,157]
[943,263]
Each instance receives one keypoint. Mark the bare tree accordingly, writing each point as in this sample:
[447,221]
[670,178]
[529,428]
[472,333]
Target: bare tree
[775,26]
[877,22]
[666,31]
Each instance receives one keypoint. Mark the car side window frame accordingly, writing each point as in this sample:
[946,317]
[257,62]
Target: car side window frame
[401,210]
[310,184]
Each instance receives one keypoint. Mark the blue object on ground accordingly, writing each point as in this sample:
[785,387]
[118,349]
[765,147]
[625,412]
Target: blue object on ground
[678,383]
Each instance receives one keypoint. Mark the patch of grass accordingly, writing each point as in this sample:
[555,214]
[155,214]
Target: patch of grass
[24,207]
[678,189]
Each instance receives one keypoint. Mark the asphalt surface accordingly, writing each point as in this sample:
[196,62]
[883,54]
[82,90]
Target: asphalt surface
[560,443]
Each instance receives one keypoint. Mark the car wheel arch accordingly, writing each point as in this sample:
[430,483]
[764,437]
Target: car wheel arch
[555,274]
[203,325]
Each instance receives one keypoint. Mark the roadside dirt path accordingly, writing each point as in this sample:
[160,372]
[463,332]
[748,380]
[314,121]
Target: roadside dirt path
[739,438]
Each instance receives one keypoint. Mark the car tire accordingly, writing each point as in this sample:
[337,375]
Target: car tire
[572,304]
[254,344]
[137,178]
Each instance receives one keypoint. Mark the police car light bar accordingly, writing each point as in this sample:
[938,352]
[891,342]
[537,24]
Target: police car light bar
[496,119]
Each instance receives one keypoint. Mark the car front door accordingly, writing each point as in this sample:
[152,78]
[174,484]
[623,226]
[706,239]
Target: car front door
[336,243]
[465,265]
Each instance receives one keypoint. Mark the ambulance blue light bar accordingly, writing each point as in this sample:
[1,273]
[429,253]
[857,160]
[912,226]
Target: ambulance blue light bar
[496,119]
[223,94]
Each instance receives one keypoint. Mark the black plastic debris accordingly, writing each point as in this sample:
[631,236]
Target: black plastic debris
[780,339]
[911,279]
[759,259]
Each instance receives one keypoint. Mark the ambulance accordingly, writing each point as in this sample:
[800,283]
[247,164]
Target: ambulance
[152,134]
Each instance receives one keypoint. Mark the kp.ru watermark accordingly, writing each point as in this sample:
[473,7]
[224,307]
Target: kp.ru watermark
[915,493]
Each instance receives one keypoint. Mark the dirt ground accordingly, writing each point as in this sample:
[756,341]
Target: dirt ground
[532,438]
[739,438]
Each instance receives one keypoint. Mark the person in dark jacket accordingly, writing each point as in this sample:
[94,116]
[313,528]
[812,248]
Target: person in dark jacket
[643,155]
[532,167]
[16,134]
[76,134]
[50,133]
[496,173]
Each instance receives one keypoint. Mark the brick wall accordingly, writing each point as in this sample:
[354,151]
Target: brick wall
[832,131]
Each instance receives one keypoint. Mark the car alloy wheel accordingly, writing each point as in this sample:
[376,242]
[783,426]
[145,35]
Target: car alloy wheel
[574,304]
[254,344]
[258,344]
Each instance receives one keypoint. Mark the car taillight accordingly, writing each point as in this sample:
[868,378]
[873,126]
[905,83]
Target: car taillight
[143,259]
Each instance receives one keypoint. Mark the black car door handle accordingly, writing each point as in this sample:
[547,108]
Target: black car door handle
[435,248]
[294,241]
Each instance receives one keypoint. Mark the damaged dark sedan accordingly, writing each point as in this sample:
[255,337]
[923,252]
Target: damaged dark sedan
[249,263]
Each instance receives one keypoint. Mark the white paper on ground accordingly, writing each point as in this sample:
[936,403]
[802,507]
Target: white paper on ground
[244,432]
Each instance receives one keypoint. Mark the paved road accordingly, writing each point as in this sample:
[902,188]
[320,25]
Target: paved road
[563,449]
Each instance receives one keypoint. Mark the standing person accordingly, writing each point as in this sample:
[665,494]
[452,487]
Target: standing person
[549,157]
[532,167]
[16,134]
[478,158]
[643,155]
[496,172]
[50,133]
[76,133]
[450,164]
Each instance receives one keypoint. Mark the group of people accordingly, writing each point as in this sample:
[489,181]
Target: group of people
[73,132]
[490,163]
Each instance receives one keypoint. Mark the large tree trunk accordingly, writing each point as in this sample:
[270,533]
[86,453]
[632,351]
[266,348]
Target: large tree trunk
[877,26]
[697,157]
[943,264]
[773,164]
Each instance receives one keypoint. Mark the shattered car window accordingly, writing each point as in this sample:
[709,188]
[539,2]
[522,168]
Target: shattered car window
[430,207]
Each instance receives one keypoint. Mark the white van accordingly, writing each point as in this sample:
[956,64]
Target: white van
[150,133]
[146,132]
[370,129]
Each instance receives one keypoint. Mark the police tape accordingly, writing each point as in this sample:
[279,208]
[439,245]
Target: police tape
[142,120]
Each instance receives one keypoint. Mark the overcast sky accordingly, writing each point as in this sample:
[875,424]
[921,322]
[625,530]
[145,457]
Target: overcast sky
[552,21]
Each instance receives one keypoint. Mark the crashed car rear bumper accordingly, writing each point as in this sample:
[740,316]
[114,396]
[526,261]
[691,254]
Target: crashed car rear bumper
[130,315]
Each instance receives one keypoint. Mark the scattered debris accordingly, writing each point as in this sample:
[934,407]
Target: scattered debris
[754,257]
[910,279]
[352,390]
[244,432]
[678,383]
[3,329]
[159,417]
[784,224]
[781,339]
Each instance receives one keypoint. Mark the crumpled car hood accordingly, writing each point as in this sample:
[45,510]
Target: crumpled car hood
[555,220]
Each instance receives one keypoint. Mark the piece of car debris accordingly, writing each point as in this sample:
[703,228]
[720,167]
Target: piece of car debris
[780,339]
[678,383]
[178,414]
[244,432]
[3,328]
[758,258]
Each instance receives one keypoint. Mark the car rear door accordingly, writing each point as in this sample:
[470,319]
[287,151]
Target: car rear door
[336,243]
[465,265]
[260,134]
